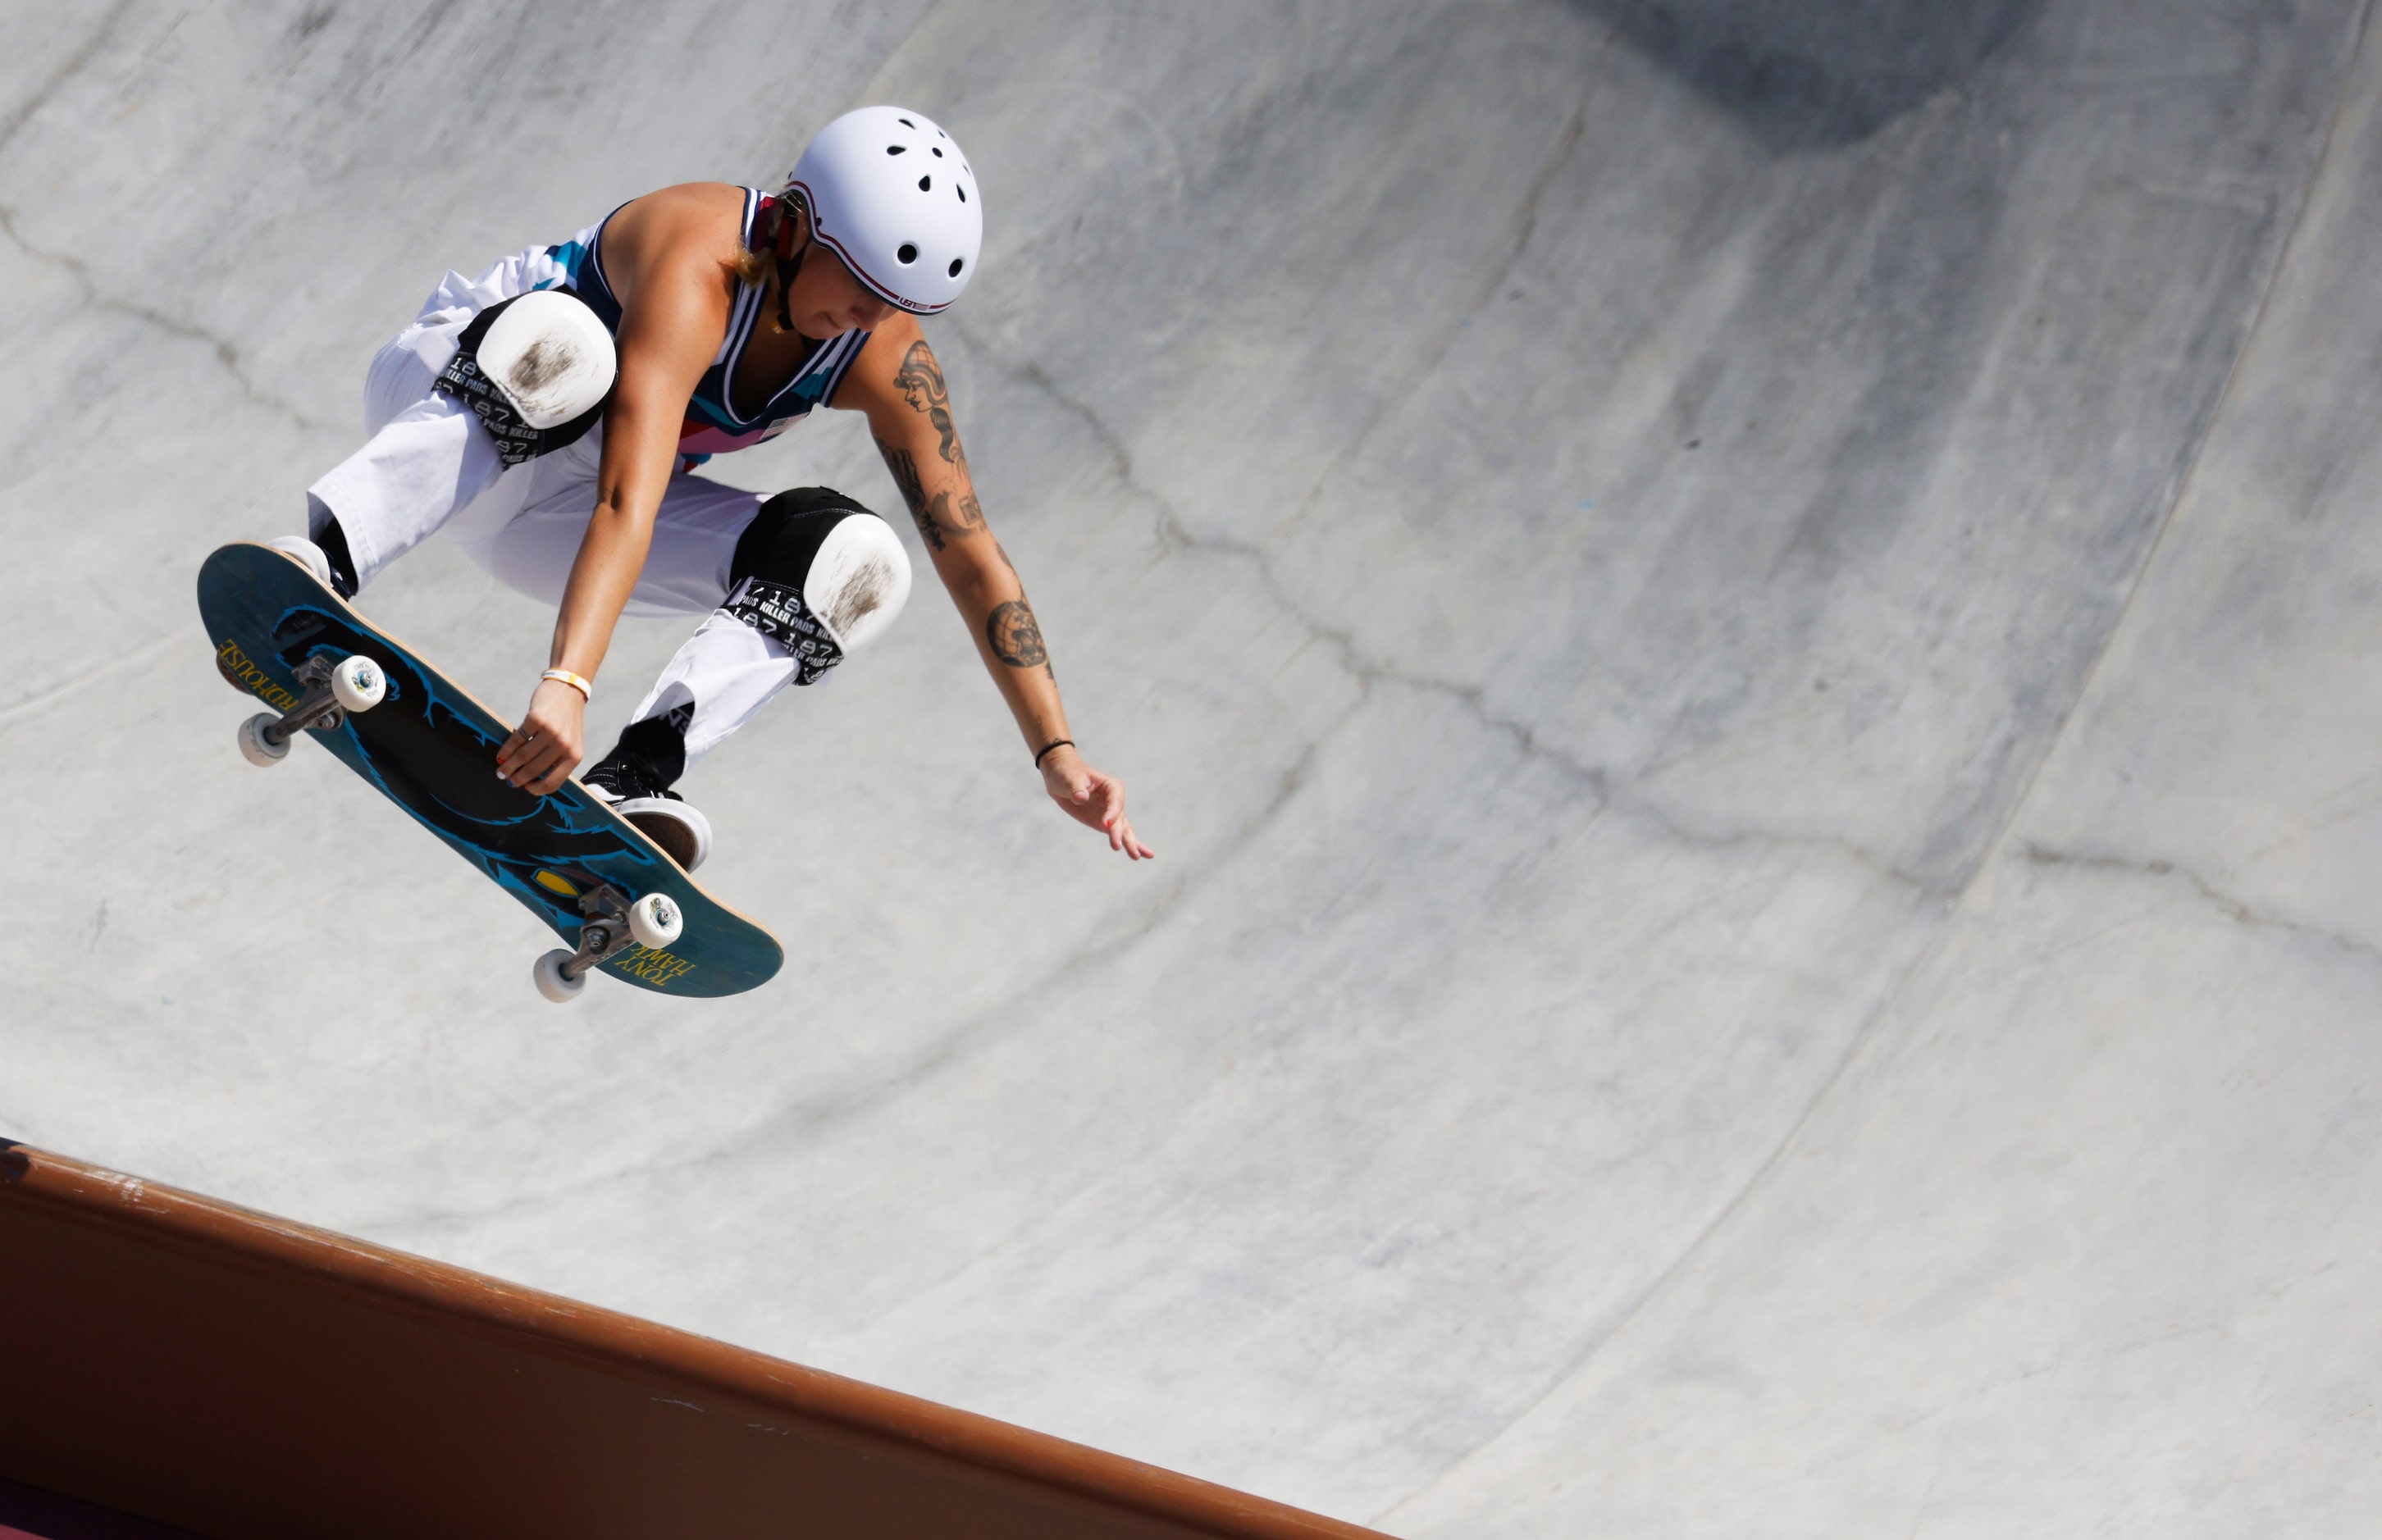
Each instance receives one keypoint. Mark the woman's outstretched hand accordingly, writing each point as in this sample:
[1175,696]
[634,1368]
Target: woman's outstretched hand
[1092,799]
[545,749]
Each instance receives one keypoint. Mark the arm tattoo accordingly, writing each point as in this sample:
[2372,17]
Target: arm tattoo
[1016,640]
[921,379]
[905,476]
[936,519]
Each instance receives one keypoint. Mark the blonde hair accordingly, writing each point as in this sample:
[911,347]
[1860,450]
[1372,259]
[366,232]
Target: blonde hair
[754,264]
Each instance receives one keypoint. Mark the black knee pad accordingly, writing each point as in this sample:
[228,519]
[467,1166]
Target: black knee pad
[784,537]
[771,570]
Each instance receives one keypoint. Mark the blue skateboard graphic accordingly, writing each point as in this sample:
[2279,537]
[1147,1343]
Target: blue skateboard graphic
[426,745]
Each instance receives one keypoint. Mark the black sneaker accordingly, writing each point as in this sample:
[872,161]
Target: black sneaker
[659,813]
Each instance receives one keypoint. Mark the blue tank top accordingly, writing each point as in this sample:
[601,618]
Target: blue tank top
[713,425]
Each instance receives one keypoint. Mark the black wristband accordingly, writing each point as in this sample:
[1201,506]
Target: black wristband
[1054,743]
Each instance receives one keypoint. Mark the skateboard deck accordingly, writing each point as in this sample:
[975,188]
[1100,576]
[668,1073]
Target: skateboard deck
[431,748]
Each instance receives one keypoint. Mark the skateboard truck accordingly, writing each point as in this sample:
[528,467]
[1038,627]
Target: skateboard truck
[308,661]
[613,926]
[333,689]
[356,683]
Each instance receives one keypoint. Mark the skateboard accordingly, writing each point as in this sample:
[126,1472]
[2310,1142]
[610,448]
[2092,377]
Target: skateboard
[426,745]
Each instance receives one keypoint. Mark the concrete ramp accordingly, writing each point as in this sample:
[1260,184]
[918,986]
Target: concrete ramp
[1748,631]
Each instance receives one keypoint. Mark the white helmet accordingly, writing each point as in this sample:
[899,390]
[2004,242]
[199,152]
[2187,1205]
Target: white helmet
[894,196]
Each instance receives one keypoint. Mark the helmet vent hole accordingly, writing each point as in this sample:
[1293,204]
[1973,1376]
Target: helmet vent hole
[939,155]
[926,183]
[895,148]
[963,192]
[957,262]
[906,122]
[908,254]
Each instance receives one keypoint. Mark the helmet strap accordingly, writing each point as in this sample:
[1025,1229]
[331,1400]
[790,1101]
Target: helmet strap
[790,262]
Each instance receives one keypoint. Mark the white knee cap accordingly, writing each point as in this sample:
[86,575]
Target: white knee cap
[550,356]
[858,582]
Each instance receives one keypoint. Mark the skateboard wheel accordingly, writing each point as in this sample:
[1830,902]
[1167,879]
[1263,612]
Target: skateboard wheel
[656,922]
[553,983]
[257,748]
[358,682]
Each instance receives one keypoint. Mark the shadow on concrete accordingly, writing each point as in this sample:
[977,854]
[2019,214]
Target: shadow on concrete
[1817,74]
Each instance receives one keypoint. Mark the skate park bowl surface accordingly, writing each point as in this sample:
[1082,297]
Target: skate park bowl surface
[1748,631]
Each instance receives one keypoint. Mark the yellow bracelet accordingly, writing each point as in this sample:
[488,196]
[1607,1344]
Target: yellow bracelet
[565,676]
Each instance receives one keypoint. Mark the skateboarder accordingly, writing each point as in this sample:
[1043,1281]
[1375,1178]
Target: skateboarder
[548,417]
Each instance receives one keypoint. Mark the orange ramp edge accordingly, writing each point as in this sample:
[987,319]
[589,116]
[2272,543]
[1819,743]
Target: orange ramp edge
[207,1366]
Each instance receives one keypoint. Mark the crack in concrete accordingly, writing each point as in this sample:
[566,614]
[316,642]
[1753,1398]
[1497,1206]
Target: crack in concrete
[1860,1041]
[225,353]
[80,272]
[1597,781]
[2238,910]
[75,64]
[1525,226]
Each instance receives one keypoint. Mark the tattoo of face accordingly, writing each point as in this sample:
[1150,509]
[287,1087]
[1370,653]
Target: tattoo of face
[1016,640]
[905,476]
[921,379]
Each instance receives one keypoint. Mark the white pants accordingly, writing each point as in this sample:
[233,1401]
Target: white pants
[429,467]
